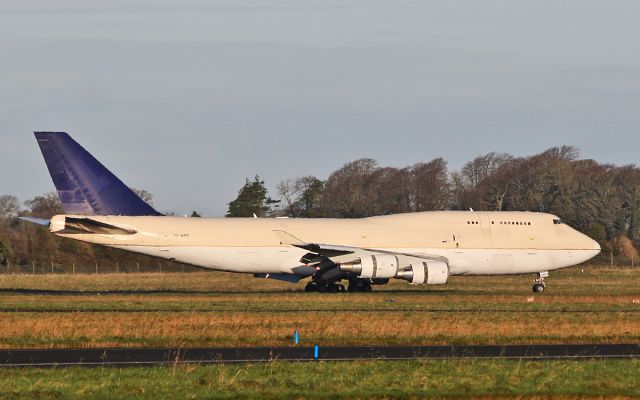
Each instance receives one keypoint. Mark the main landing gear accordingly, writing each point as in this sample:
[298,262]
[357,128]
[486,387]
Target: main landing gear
[539,285]
[359,285]
[356,285]
[324,287]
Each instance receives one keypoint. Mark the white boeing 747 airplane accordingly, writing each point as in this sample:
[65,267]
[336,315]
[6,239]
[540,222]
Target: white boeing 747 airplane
[422,248]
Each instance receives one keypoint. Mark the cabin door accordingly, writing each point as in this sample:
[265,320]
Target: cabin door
[485,223]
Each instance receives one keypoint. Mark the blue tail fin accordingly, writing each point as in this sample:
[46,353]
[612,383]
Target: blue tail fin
[84,185]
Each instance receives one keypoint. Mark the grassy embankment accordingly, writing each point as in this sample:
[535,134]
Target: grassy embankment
[218,309]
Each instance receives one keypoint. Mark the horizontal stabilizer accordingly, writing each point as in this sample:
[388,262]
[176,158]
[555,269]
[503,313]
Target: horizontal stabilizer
[87,225]
[75,226]
[37,221]
[84,185]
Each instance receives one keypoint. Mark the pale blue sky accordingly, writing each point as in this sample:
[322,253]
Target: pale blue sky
[187,98]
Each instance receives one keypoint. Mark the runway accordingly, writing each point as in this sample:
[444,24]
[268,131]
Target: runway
[313,310]
[171,356]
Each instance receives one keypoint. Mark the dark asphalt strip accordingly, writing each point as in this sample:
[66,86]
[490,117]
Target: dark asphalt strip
[308,310]
[167,356]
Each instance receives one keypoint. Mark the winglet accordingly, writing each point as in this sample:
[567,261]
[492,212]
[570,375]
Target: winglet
[84,185]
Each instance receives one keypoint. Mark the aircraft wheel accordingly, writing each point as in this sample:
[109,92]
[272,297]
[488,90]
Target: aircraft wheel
[359,286]
[356,287]
[538,288]
[341,288]
[311,287]
[333,288]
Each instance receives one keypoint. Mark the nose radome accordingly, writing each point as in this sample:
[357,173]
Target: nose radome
[596,246]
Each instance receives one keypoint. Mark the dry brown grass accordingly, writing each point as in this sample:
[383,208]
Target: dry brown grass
[596,306]
[228,329]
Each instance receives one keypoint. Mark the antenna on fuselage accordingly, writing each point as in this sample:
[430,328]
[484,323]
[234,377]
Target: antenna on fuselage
[470,209]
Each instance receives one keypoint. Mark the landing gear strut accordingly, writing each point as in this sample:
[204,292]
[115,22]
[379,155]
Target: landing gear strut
[539,285]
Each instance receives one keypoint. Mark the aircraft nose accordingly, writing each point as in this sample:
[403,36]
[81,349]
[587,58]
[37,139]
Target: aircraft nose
[596,246]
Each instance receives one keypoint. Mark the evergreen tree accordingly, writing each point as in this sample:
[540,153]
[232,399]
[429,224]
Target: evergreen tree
[252,200]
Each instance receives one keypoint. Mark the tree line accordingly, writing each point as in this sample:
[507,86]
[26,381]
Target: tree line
[601,200]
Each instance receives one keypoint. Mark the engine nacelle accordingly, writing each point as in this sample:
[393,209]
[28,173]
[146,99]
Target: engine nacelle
[384,266]
[430,272]
[375,266]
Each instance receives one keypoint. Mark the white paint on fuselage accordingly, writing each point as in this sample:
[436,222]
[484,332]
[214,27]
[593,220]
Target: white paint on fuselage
[286,260]
[471,243]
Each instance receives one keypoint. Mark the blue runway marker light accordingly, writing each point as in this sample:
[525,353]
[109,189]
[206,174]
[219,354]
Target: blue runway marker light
[296,337]
[316,351]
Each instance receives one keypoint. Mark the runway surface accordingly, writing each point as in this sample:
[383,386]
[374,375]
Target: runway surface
[312,310]
[167,356]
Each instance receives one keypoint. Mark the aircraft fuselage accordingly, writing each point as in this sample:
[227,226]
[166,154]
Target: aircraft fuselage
[471,243]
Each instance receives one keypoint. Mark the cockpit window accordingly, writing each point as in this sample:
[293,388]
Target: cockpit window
[558,222]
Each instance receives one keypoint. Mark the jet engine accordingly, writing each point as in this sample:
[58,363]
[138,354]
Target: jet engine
[376,266]
[431,272]
[381,266]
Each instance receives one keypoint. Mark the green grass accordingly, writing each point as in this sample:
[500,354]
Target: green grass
[331,380]
[217,309]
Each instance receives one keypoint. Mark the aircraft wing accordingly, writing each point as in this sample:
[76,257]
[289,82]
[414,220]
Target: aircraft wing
[330,255]
[345,254]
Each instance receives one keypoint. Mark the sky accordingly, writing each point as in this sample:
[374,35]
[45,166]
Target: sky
[188,98]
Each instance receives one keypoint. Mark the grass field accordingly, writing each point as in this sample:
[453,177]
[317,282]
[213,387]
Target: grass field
[333,380]
[219,309]
[597,305]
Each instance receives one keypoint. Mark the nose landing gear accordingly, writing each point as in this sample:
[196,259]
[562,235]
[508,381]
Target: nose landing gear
[539,285]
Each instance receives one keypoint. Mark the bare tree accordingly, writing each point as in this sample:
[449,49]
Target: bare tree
[388,191]
[9,206]
[288,194]
[430,186]
[474,172]
[345,192]
[45,206]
